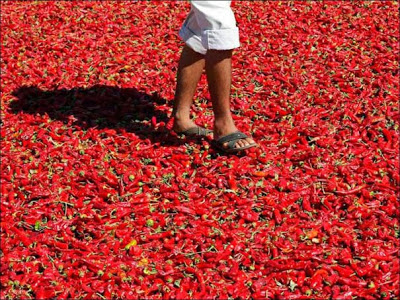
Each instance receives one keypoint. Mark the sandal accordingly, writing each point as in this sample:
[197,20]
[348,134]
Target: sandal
[195,131]
[232,139]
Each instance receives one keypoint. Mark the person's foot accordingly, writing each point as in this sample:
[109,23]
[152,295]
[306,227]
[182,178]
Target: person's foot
[181,125]
[187,127]
[226,126]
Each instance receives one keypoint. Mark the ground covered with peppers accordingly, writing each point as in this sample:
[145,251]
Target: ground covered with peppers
[99,200]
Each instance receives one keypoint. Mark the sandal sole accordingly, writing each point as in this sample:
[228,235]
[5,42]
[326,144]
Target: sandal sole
[235,150]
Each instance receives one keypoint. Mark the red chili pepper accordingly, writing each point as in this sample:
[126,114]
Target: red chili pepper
[22,236]
[185,209]
[306,204]
[199,276]
[345,272]
[275,253]
[232,183]
[300,278]
[277,215]
[353,191]
[260,173]
[351,283]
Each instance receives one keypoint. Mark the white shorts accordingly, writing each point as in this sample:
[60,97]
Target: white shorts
[210,25]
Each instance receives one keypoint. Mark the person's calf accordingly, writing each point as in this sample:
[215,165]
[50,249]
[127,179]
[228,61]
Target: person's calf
[191,65]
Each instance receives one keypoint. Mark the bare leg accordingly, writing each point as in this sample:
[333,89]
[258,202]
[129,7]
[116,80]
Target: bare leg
[218,65]
[191,65]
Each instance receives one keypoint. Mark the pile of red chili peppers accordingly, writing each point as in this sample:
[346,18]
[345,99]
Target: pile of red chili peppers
[99,200]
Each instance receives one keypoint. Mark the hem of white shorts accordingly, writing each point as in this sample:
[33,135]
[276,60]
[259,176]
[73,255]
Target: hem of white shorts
[221,39]
[192,40]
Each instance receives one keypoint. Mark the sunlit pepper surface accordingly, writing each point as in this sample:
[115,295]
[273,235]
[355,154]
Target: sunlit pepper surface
[99,199]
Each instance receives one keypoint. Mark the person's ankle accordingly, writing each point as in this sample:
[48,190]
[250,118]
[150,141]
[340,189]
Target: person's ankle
[224,125]
[223,120]
[181,122]
[181,117]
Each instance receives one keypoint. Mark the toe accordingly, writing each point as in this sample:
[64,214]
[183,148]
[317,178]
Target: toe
[241,143]
[250,141]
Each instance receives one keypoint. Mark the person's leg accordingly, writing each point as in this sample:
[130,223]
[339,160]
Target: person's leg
[209,30]
[218,65]
[191,65]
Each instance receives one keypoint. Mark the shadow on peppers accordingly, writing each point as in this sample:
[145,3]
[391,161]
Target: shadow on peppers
[100,106]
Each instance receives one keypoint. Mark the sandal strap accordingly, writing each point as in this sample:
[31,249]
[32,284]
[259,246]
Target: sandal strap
[198,130]
[232,138]
[204,130]
[193,130]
